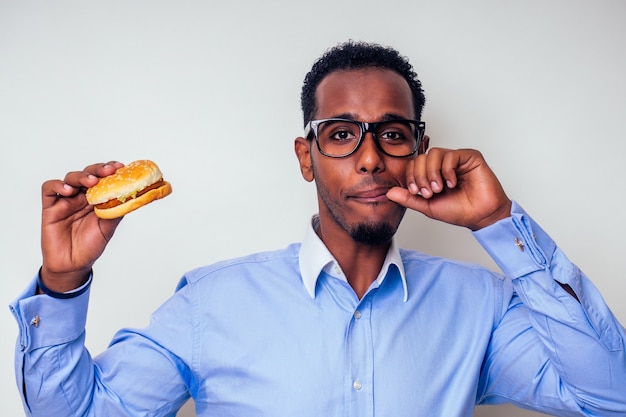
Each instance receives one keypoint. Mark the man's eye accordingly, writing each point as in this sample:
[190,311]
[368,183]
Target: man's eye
[392,136]
[343,135]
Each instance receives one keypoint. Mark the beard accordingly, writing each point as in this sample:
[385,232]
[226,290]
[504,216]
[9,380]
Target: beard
[372,234]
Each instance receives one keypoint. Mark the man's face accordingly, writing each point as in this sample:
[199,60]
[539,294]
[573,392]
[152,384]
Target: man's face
[351,190]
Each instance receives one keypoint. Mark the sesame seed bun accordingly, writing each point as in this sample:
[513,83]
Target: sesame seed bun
[129,188]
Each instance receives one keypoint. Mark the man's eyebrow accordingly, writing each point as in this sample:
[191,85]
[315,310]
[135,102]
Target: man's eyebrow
[349,116]
[393,116]
[385,118]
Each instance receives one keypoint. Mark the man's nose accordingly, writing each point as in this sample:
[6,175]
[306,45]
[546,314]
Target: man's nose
[369,156]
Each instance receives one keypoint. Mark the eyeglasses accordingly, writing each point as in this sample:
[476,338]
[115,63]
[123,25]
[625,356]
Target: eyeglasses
[341,137]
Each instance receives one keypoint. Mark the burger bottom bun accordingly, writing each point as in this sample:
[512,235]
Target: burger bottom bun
[134,203]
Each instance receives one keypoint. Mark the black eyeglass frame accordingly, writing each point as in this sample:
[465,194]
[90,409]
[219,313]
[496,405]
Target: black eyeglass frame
[365,127]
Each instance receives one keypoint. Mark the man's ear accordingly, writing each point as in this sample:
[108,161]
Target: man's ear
[423,146]
[303,153]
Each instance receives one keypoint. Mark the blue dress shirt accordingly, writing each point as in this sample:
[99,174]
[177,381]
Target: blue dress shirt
[283,334]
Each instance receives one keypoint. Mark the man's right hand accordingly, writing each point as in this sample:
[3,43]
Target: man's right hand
[72,236]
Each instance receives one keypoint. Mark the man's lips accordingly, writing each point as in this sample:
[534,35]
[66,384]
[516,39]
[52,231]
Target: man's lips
[372,195]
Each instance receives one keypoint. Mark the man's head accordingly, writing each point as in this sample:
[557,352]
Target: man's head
[367,84]
[357,84]
[359,55]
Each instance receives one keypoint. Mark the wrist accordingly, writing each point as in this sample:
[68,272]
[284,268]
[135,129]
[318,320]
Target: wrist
[42,289]
[502,212]
[59,283]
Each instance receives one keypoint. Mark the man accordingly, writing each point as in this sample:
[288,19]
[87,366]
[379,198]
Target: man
[344,323]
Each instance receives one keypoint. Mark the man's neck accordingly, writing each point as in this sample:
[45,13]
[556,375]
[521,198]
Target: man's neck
[360,263]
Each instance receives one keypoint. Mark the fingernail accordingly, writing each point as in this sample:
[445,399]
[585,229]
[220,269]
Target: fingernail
[434,186]
[413,188]
[67,187]
[425,192]
[449,183]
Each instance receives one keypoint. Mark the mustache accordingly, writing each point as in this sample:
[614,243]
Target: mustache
[371,183]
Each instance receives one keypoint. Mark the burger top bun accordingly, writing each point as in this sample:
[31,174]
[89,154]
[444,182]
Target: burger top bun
[129,188]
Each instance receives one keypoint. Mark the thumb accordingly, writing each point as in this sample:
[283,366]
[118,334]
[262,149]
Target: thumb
[108,226]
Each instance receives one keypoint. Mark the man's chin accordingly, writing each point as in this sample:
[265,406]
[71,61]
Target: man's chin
[372,234]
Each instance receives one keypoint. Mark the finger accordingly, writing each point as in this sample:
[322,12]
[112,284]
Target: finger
[89,176]
[98,170]
[403,197]
[449,167]
[427,172]
[103,169]
[411,185]
[433,169]
[78,179]
[108,226]
[417,176]
[52,190]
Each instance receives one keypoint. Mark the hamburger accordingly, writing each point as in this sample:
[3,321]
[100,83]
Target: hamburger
[129,188]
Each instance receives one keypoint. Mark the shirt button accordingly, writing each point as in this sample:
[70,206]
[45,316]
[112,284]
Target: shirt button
[357,384]
[35,321]
[357,314]
[338,270]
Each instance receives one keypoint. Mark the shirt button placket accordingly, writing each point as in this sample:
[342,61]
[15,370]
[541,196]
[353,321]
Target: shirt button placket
[361,361]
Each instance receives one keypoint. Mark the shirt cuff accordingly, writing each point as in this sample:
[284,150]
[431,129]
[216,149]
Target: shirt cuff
[517,244]
[67,294]
[47,321]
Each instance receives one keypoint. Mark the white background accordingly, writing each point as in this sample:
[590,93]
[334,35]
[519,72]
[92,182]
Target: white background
[211,92]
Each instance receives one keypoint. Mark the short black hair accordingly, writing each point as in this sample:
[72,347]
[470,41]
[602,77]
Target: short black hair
[353,55]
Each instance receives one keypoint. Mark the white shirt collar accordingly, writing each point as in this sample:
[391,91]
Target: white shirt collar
[315,257]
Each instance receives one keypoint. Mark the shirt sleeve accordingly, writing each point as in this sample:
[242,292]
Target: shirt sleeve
[567,353]
[58,377]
